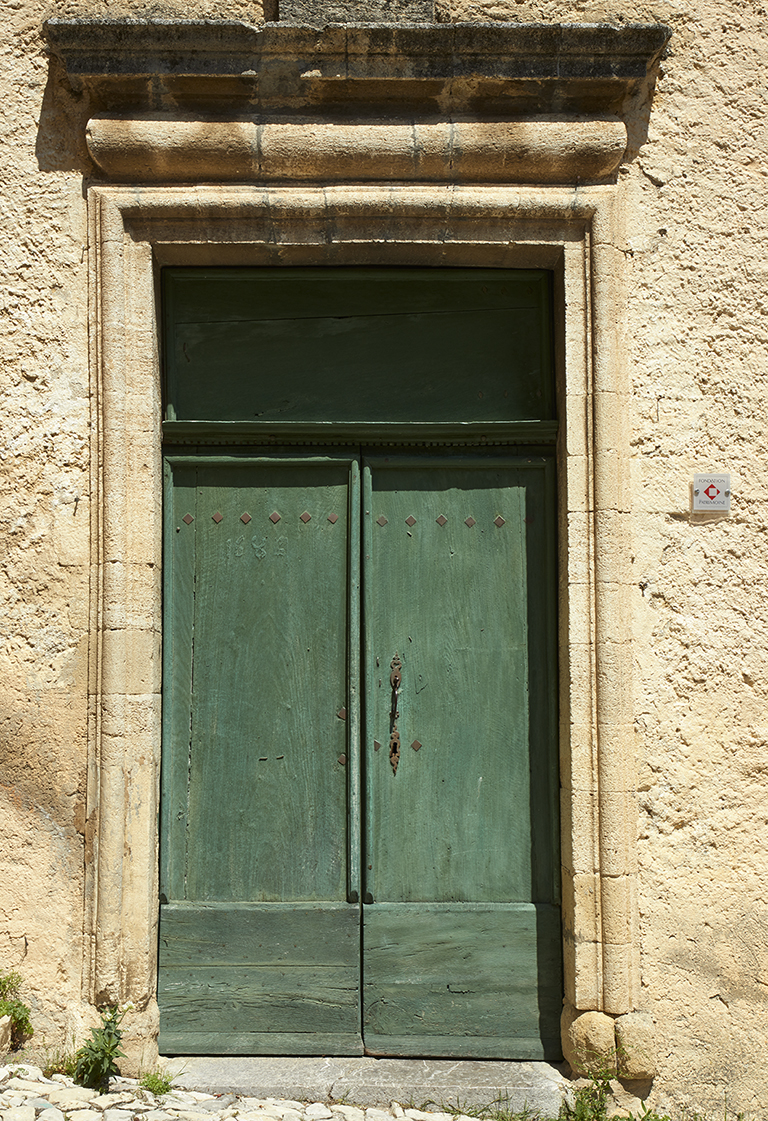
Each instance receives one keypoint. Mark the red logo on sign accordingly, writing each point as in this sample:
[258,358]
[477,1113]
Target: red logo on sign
[711,491]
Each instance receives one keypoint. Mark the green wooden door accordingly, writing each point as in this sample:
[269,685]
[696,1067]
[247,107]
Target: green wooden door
[316,898]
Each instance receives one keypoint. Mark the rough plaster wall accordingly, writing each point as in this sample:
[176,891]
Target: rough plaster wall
[696,219]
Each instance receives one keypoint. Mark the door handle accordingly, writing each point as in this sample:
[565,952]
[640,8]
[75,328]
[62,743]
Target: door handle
[395,680]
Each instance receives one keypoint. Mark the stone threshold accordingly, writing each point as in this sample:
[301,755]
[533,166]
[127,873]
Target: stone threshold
[538,1086]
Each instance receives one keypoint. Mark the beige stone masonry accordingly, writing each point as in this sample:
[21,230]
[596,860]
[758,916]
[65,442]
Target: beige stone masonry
[574,232]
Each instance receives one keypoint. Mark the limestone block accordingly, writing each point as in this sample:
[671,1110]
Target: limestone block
[589,1043]
[618,978]
[5,1034]
[583,973]
[579,820]
[617,900]
[580,656]
[636,1045]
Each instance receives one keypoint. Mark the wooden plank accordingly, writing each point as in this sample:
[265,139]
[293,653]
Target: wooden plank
[267,787]
[178,647]
[354,715]
[519,1048]
[486,977]
[230,970]
[270,998]
[231,934]
[463,641]
[260,1043]
[290,344]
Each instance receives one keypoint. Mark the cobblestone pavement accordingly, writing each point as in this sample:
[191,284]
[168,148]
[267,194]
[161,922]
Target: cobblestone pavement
[27,1095]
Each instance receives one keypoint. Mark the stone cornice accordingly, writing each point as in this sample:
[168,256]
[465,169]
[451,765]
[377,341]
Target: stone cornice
[515,67]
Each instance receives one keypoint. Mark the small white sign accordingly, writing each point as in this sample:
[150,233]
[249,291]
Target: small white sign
[711,492]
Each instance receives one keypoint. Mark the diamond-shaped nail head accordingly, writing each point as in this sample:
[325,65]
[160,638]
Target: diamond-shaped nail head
[333,518]
[410,520]
[245,518]
[498,521]
[415,745]
[441,519]
[381,520]
[274,517]
[188,519]
[470,522]
[305,517]
[217,517]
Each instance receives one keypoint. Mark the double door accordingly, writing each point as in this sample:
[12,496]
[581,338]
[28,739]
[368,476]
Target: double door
[359,826]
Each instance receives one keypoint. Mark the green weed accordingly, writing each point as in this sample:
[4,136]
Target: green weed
[590,1103]
[157,1082]
[60,1062]
[95,1060]
[500,1109]
[11,1005]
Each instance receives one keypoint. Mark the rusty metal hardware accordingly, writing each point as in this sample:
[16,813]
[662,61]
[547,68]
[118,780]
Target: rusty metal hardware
[188,519]
[217,517]
[394,749]
[416,745]
[395,680]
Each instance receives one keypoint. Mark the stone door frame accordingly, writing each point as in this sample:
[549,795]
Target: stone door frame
[575,232]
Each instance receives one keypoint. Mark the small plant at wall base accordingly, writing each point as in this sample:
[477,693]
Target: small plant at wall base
[590,1103]
[157,1082]
[95,1060]
[11,1005]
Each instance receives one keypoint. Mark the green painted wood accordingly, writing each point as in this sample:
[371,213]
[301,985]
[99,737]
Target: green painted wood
[260,1043]
[532,433]
[293,345]
[178,645]
[462,980]
[275,817]
[354,708]
[254,773]
[277,968]
[469,609]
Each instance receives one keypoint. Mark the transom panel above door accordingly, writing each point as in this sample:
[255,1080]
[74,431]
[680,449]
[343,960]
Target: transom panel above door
[359,808]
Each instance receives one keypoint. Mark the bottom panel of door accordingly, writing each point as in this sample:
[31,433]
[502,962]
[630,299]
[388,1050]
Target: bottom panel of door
[265,978]
[462,980]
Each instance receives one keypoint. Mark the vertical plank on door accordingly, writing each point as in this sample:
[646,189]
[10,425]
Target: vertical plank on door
[461,926]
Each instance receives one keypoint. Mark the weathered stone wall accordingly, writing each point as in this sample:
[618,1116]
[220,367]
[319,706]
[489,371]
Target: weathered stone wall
[694,192]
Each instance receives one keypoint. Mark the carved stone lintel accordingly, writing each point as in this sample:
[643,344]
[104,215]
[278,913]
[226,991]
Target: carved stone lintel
[165,150]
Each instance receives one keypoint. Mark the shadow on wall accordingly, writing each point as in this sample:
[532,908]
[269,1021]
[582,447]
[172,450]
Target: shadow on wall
[64,113]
